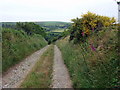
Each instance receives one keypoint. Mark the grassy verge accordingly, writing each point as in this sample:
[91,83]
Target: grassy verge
[93,68]
[40,75]
[16,45]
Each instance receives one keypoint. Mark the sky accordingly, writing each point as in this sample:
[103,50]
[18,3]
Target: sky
[54,10]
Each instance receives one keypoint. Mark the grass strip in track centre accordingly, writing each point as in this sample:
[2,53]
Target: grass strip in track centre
[41,74]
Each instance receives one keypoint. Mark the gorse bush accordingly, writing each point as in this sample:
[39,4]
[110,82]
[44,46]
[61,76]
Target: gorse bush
[89,23]
[16,45]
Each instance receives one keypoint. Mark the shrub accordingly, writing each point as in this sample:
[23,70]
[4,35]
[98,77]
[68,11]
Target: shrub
[89,23]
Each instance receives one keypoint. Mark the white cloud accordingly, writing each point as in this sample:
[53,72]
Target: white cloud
[57,10]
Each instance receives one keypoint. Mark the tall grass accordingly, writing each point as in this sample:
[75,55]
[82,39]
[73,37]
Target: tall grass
[89,68]
[16,45]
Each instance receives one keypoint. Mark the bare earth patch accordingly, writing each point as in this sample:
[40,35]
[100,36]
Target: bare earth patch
[17,74]
[61,78]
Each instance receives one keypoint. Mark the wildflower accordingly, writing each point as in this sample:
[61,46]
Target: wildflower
[92,47]
[83,34]
[92,29]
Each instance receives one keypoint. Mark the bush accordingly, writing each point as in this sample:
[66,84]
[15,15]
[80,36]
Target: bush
[89,23]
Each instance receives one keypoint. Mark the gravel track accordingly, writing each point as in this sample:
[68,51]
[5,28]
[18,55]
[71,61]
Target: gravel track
[61,78]
[17,74]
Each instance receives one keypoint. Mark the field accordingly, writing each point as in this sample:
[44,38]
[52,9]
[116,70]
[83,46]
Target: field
[53,25]
[59,30]
[47,23]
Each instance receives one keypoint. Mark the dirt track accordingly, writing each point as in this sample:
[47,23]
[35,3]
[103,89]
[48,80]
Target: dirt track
[61,78]
[17,74]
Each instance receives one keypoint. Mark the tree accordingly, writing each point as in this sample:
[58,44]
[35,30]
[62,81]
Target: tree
[31,28]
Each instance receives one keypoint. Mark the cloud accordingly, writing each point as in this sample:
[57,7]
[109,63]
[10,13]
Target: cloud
[63,10]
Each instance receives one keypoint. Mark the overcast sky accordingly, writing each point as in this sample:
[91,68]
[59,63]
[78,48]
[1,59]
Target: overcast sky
[53,10]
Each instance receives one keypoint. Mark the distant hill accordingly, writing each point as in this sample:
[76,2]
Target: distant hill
[9,23]
[42,23]
[53,29]
[53,25]
[48,25]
